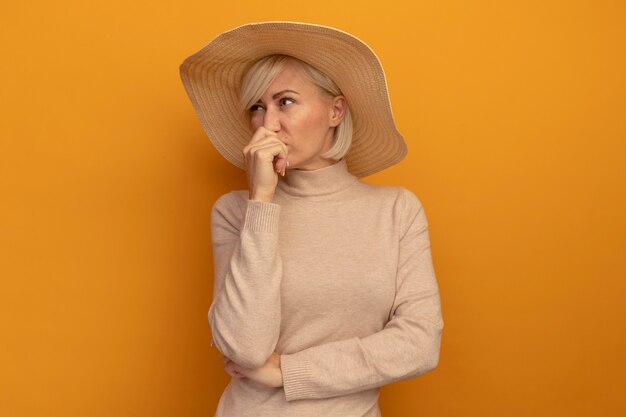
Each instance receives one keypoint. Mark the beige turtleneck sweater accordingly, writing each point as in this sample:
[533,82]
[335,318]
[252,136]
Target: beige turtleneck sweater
[335,275]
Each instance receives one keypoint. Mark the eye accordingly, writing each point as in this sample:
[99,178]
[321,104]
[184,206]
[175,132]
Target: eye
[286,100]
[255,107]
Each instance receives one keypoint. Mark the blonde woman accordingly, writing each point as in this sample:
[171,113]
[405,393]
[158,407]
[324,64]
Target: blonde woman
[324,285]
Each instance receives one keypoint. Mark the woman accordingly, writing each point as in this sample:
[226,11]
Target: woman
[324,285]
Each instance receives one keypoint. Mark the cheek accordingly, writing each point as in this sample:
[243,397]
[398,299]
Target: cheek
[315,123]
[256,121]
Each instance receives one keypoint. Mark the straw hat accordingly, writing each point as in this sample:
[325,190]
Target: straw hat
[212,78]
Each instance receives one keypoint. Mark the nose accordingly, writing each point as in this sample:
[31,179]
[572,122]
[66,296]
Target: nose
[271,119]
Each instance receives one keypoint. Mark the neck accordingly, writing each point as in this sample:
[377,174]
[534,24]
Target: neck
[323,181]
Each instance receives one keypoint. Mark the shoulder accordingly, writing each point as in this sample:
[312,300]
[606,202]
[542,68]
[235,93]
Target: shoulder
[410,200]
[230,205]
[403,198]
[404,206]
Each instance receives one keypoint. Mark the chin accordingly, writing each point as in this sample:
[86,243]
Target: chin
[294,163]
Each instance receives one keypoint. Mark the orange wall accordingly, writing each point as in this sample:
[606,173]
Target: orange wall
[515,116]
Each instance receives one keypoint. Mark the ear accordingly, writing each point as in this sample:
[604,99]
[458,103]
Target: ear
[338,110]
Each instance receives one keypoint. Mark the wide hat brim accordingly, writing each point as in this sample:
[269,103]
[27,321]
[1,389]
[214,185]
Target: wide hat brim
[212,78]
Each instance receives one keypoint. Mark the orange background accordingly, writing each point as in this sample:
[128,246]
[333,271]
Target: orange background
[515,117]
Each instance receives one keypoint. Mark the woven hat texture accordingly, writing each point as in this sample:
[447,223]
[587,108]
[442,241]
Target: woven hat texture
[212,77]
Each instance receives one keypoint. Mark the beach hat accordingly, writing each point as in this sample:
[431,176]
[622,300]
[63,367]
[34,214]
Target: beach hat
[212,78]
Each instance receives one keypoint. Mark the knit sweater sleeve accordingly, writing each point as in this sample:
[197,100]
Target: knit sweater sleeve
[245,312]
[406,347]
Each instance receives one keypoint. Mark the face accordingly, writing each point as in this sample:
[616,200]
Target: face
[302,115]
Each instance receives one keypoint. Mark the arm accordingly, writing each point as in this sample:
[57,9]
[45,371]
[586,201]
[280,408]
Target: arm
[245,313]
[407,346]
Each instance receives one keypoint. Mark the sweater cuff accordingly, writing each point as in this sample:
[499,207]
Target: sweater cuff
[296,378]
[261,216]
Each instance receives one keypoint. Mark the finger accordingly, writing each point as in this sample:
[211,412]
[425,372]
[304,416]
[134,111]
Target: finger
[273,152]
[237,373]
[229,370]
[279,150]
[281,164]
[278,145]
[232,370]
[260,134]
[266,141]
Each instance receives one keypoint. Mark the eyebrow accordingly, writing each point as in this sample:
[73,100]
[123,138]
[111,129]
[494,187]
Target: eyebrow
[283,92]
[280,93]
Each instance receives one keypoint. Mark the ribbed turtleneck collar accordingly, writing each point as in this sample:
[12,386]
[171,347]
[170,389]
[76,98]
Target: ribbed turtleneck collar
[318,182]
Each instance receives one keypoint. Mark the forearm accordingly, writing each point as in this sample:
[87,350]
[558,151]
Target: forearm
[404,349]
[245,313]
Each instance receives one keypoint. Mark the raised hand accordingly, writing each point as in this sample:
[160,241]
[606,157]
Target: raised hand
[266,158]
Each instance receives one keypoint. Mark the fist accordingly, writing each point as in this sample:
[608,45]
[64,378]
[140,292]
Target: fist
[265,157]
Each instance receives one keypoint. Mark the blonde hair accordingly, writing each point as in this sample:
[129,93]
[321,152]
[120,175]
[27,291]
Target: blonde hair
[266,69]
